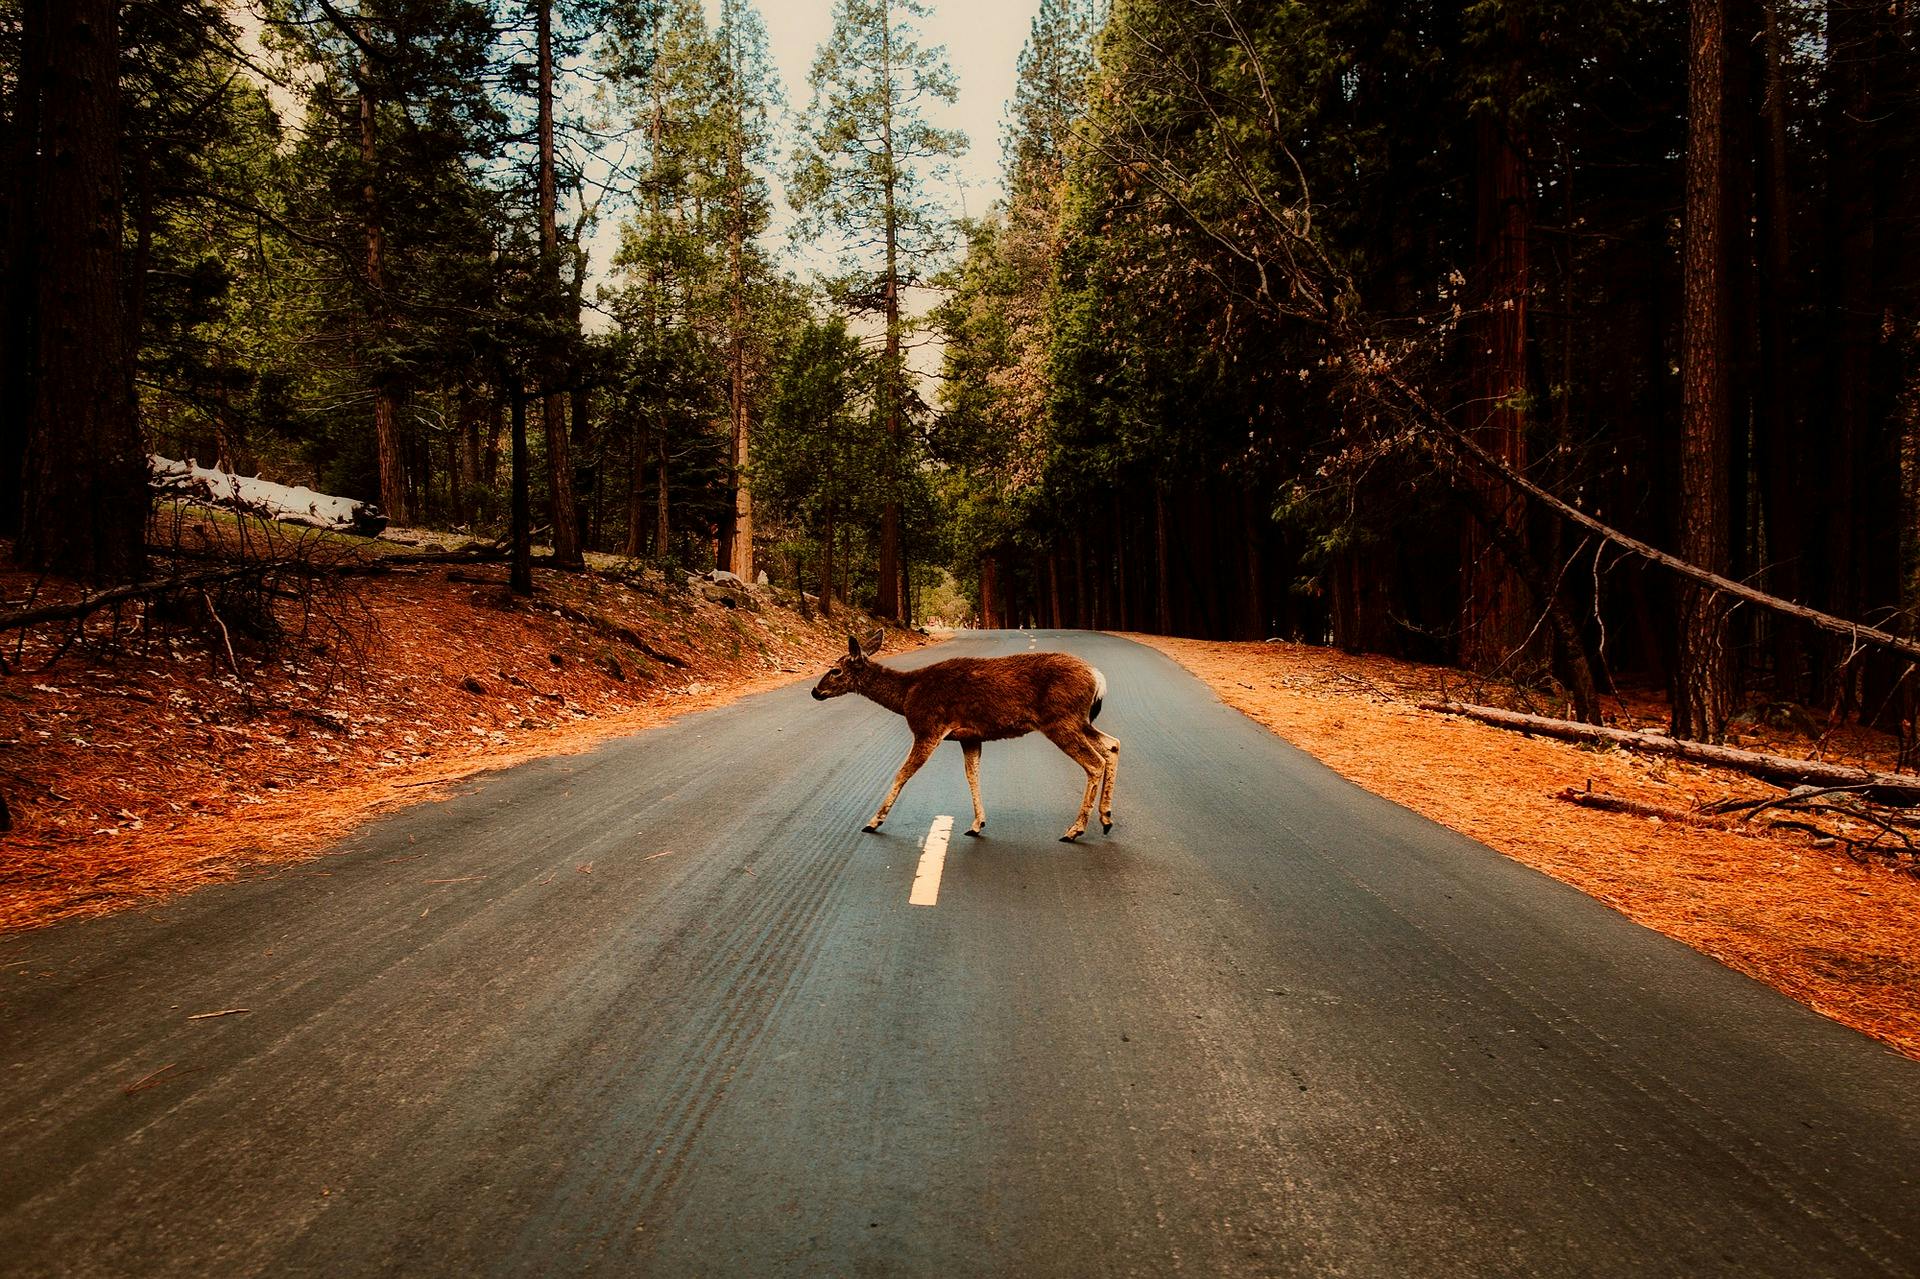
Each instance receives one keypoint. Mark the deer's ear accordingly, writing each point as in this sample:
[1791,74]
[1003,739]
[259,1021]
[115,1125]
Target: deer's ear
[877,641]
[853,647]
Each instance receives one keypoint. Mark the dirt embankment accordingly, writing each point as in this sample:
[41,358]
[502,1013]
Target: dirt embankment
[156,768]
[1782,905]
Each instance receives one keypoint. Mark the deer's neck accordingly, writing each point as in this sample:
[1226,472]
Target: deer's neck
[886,686]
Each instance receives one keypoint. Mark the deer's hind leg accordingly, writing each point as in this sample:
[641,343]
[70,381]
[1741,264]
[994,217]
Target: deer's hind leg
[1109,748]
[921,752]
[1074,742]
[970,747]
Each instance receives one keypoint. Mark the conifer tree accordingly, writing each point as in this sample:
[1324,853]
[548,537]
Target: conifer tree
[745,136]
[867,160]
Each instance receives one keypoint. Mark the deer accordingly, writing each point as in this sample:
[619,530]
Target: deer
[987,699]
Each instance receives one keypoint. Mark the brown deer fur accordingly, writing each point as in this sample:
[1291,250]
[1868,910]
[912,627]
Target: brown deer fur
[988,699]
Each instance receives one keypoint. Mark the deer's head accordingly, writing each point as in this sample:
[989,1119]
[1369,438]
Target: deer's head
[845,675]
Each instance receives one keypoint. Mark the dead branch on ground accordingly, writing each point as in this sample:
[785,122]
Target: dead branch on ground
[1887,788]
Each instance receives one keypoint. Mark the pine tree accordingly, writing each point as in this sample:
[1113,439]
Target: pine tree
[867,158]
[1703,676]
[745,139]
[85,501]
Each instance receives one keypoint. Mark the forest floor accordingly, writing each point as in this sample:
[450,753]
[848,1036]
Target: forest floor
[1837,930]
[162,761]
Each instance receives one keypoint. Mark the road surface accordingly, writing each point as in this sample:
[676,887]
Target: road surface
[663,1009]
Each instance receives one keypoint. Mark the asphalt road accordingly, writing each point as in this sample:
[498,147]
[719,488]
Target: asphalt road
[665,1010]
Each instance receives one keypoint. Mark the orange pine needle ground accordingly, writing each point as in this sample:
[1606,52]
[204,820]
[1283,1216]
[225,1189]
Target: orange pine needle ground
[151,775]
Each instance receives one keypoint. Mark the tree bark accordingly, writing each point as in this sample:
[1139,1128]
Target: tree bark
[21,299]
[1702,687]
[566,530]
[887,605]
[1542,587]
[1493,620]
[1777,430]
[660,532]
[826,565]
[85,496]
[386,428]
[1163,572]
[637,491]
[737,533]
[520,574]
[1080,615]
[1887,788]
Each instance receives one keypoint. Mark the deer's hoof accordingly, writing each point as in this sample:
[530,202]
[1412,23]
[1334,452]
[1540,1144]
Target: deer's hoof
[1070,838]
[974,832]
[871,827]
[1106,828]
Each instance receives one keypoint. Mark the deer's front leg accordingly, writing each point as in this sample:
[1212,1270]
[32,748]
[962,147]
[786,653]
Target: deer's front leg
[971,749]
[922,750]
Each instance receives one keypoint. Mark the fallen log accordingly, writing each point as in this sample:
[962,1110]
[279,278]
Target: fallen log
[288,504]
[1901,789]
[1634,808]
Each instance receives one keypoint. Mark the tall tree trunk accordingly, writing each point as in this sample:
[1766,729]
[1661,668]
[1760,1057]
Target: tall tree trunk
[580,435]
[496,412]
[468,509]
[85,494]
[1777,428]
[21,298]
[637,491]
[661,531]
[386,425]
[520,572]
[1494,621]
[1053,590]
[888,603]
[1702,691]
[826,564]
[1162,569]
[736,534]
[566,527]
[1852,317]
[1081,617]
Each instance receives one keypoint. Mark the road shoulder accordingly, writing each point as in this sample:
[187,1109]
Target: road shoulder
[1840,936]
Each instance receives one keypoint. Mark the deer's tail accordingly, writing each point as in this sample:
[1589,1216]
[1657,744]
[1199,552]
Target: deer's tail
[1099,694]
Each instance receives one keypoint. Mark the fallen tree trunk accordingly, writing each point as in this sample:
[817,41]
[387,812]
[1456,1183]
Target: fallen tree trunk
[1900,789]
[1634,808]
[286,504]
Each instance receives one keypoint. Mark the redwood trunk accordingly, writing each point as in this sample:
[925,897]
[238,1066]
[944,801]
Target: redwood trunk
[1494,621]
[386,429]
[1702,691]
[85,493]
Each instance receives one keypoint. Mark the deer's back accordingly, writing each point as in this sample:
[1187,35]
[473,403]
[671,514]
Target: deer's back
[999,697]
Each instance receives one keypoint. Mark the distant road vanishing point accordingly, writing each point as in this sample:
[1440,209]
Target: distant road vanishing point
[663,1009]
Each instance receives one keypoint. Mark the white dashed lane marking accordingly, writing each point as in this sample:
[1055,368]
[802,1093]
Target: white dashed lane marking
[933,856]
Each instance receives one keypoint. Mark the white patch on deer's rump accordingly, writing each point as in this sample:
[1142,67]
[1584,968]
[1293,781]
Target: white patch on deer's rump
[1099,685]
[933,857]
